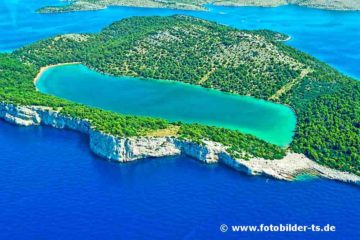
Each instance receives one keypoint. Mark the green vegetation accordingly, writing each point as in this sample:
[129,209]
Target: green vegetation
[254,63]
[241,146]
[88,5]
[16,82]
[83,5]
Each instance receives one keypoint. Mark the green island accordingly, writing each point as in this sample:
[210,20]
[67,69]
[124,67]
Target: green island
[86,5]
[195,51]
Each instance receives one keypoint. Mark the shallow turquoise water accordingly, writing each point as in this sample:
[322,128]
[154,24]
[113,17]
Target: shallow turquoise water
[170,100]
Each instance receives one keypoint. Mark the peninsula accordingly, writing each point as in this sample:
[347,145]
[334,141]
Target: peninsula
[87,5]
[194,51]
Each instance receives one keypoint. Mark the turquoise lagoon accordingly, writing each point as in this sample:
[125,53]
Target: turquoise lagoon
[174,101]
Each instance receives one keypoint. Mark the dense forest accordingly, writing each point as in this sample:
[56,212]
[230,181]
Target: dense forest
[16,87]
[254,63]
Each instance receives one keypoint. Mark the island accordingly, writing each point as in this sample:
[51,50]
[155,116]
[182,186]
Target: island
[88,5]
[195,51]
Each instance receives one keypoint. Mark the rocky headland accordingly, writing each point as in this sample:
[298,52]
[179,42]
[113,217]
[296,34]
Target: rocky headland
[135,148]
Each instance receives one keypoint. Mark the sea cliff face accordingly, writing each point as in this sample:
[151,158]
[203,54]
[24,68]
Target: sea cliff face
[133,148]
[35,115]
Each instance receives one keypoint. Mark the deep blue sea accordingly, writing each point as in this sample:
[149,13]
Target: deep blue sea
[52,187]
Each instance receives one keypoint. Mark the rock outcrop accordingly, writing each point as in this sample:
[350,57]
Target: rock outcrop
[134,148]
[90,5]
[131,148]
[321,4]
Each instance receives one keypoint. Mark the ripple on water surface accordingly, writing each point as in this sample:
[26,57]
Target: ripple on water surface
[54,188]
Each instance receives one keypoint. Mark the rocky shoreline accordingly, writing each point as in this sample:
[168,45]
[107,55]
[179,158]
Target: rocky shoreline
[135,148]
[200,5]
[344,5]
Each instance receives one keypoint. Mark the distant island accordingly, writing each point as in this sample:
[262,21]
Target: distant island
[86,5]
[195,51]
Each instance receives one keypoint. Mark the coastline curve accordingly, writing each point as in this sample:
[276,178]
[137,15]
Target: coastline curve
[135,148]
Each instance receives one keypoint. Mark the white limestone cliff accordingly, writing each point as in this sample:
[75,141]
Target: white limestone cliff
[134,148]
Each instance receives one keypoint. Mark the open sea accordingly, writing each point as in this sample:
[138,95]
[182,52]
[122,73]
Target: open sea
[53,187]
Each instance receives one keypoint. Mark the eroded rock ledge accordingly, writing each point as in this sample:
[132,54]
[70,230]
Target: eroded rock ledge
[134,148]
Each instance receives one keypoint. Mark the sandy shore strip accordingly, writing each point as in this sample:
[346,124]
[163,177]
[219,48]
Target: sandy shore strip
[285,40]
[43,69]
[288,39]
[287,168]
